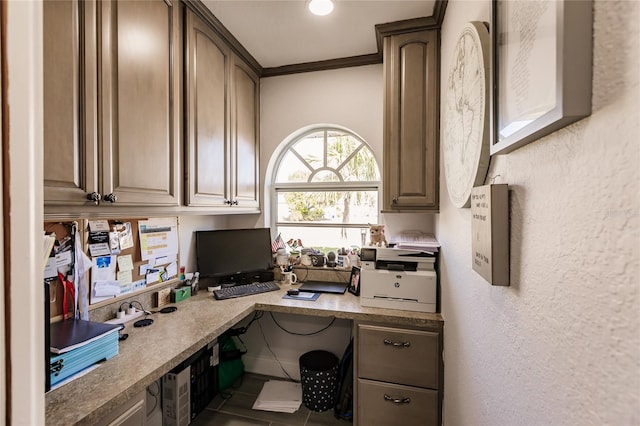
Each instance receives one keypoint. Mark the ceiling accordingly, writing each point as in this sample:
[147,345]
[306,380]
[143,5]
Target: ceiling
[283,32]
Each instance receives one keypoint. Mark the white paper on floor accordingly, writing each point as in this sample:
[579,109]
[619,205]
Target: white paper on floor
[278,395]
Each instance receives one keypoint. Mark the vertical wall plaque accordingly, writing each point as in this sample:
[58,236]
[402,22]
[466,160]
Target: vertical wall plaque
[490,232]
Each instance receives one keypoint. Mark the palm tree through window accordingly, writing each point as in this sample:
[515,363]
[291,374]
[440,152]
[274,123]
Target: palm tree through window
[326,189]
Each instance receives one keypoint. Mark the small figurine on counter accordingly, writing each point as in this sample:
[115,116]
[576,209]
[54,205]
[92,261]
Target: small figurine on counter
[376,235]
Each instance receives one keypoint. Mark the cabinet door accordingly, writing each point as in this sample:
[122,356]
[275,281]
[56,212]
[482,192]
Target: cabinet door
[411,121]
[207,169]
[396,355]
[69,102]
[245,137]
[131,413]
[388,404]
[140,97]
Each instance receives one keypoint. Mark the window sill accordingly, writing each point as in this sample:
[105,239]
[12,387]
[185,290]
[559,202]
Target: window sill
[318,273]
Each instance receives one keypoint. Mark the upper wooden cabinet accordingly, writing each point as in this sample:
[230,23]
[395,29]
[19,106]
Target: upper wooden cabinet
[222,122]
[140,100]
[411,120]
[245,128]
[70,96]
[112,102]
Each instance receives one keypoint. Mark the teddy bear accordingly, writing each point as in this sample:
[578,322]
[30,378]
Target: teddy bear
[376,235]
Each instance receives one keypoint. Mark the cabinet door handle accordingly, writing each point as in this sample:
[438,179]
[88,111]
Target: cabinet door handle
[234,202]
[394,200]
[227,202]
[397,344]
[94,197]
[112,198]
[397,400]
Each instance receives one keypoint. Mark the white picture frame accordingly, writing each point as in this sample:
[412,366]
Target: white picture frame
[541,53]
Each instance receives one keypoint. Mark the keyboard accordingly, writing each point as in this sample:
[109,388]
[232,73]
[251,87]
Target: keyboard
[245,290]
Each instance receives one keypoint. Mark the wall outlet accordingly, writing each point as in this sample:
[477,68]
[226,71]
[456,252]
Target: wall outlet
[163,297]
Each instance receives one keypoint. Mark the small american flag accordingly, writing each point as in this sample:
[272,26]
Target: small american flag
[277,243]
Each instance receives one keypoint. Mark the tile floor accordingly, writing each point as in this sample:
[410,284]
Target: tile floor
[236,410]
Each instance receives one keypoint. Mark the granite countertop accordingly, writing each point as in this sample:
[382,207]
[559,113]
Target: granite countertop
[152,351]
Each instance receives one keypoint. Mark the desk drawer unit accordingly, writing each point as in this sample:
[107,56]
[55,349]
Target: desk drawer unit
[408,357]
[382,403]
[398,375]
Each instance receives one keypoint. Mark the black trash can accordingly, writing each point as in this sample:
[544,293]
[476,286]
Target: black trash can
[319,378]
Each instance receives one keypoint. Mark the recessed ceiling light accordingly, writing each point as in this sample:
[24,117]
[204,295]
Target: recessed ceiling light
[320,7]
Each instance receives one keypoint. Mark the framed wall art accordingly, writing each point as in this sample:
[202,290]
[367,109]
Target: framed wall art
[541,53]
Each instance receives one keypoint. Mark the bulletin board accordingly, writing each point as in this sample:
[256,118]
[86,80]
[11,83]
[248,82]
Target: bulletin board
[149,258]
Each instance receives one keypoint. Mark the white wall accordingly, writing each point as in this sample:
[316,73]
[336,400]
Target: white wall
[561,345]
[349,97]
[188,225]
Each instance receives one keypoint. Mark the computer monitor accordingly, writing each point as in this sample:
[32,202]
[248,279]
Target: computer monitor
[234,255]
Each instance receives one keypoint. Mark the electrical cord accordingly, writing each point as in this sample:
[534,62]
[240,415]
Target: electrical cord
[241,330]
[301,280]
[306,269]
[154,395]
[141,308]
[264,338]
[301,334]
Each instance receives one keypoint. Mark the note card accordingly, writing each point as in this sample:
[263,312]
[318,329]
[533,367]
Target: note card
[125,263]
[125,277]
[98,225]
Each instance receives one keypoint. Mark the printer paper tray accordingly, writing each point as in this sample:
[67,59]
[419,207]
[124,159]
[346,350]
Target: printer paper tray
[395,303]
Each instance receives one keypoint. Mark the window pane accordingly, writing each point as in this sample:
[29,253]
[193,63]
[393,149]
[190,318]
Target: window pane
[339,147]
[325,176]
[328,206]
[311,149]
[292,170]
[325,239]
[362,167]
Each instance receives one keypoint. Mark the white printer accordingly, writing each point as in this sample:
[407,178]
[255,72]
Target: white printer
[398,279]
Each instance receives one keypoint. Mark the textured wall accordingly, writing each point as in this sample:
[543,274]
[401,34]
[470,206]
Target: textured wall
[561,345]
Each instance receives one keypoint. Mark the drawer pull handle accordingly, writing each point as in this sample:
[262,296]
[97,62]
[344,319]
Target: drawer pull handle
[397,344]
[397,400]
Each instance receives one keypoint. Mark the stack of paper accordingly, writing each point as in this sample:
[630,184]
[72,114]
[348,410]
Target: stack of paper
[281,396]
[73,334]
[417,240]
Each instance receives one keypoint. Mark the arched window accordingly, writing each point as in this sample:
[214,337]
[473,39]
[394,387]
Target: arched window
[326,189]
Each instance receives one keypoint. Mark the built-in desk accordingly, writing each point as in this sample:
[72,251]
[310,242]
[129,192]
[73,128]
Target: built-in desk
[152,351]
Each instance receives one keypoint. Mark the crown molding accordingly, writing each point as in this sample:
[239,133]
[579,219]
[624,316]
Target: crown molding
[203,11]
[382,30]
[433,22]
[329,64]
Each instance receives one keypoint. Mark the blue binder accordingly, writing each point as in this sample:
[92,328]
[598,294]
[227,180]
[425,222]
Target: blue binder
[78,344]
[69,363]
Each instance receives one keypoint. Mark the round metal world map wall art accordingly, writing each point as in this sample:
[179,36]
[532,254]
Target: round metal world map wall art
[466,123]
